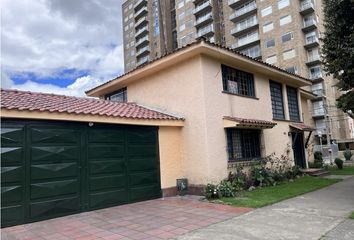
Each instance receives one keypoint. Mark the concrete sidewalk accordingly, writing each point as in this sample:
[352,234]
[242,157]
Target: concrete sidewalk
[309,216]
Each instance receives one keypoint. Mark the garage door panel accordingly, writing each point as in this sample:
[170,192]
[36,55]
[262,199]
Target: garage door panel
[144,193]
[146,178]
[139,151]
[56,170]
[54,153]
[11,155]
[141,135]
[106,135]
[142,164]
[11,174]
[105,151]
[109,198]
[57,134]
[11,194]
[12,135]
[107,166]
[107,182]
[53,189]
[53,208]
[12,215]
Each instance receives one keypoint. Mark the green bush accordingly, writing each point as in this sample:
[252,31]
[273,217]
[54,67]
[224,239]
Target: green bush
[211,191]
[226,189]
[318,163]
[347,154]
[339,163]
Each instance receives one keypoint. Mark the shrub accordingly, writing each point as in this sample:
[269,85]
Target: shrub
[347,154]
[339,163]
[318,163]
[226,189]
[211,191]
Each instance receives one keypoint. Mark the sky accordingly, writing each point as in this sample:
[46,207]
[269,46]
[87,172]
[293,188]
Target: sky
[60,46]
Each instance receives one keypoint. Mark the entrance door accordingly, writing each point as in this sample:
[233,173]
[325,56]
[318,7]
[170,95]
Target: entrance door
[298,149]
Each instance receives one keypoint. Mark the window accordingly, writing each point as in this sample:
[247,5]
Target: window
[270,43]
[277,100]
[268,27]
[181,4]
[243,144]
[182,27]
[237,81]
[283,4]
[292,70]
[285,20]
[266,11]
[271,59]
[181,16]
[118,96]
[315,72]
[294,114]
[287,54]
[287,37]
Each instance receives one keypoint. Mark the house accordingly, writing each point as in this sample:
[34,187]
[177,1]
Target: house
[236,108]
[196,113]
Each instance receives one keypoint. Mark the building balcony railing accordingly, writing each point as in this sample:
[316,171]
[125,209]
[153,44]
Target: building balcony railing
[243,12]
[140,4]
[313,60]
[202,7]
[306,7]
[309,25]
[319,92]
[245,42]
[142,51]
[316,76]
[318,113]
[236,3]
[205,31]
[311,42]
[141,21]
[200,21]
[142,31]
[254,52]
[143,60]
[240,29]
[142,41]
[143,11]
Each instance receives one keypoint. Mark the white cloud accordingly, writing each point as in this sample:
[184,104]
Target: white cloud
[46,36]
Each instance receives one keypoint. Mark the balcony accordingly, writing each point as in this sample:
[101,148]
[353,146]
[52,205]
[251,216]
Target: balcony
[245,42]
[313,60]
[318,112]
[142,41]
[319,92]
[306,7]
[143,11]
[253,52]
[236,3]
[143,51]
[142,31]
[140,4]
[143,60]
[241,29]
[206,6]
[205,31]
[311,42]
[309,25]
[140,22]
[318,76]
[203,20]
[245,11]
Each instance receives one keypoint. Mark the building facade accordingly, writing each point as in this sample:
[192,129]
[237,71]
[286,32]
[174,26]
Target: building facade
[284,33]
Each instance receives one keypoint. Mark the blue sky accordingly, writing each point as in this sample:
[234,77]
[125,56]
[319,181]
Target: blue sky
[60,46]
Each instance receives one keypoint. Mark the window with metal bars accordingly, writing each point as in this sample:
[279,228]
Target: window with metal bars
[293,104]
[277,100]
[237,82]
[118,96]
[243,144]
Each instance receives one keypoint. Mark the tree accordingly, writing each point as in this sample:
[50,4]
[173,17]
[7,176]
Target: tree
[338,49]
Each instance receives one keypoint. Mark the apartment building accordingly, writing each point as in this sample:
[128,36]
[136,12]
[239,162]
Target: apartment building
[285,33]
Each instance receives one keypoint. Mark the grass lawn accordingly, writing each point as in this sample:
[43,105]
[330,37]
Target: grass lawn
[269,195]
[351,215]
[347,170]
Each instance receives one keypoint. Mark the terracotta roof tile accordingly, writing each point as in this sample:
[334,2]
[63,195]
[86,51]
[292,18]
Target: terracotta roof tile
[250,121]
[43,102]
[302,127]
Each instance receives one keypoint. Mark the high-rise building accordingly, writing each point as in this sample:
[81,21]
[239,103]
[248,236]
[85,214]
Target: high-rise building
[285,33]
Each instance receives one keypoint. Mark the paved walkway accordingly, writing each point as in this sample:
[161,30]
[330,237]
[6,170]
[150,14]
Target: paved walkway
[155,219]
[309,216]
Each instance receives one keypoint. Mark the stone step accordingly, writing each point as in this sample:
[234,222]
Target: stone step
[316,172]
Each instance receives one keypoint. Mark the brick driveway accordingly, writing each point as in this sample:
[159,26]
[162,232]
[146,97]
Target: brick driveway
[155,219]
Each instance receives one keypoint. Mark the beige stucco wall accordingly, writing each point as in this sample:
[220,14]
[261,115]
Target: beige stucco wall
[170,146]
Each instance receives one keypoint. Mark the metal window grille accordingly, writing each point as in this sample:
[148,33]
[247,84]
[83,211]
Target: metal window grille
[277,100]
[237,81]
[243,144]
[118,96]
[293,104]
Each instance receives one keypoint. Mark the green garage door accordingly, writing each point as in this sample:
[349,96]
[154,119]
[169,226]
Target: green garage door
[55,169]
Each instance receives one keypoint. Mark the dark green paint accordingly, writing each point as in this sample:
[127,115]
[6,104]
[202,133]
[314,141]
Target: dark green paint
[51,169]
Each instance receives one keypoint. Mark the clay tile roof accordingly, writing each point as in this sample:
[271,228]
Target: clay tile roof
[302,127]
[244,122]
[43,102]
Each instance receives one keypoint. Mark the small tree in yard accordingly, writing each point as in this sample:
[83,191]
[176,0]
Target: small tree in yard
[338,49]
